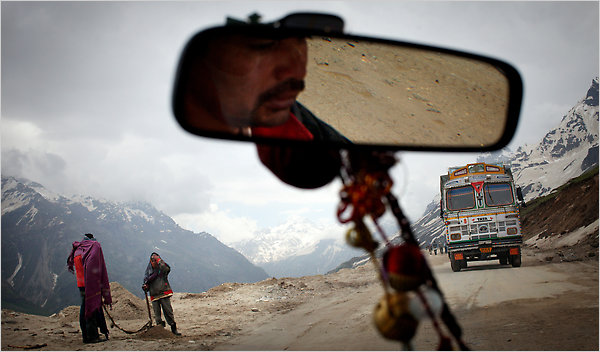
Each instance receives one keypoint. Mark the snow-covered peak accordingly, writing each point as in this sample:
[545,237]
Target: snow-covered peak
[85,201]
[9,183]
[17,193]
[297,236]
[12,199]
[565,151]
[41,190]
[592,94]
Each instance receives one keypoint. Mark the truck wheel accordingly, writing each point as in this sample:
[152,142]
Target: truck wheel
[515,260]
[455,264]
[503,260]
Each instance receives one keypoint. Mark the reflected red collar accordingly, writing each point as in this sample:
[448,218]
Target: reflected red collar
[291,129]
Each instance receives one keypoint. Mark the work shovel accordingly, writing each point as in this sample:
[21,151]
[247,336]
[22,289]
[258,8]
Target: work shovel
[148,305]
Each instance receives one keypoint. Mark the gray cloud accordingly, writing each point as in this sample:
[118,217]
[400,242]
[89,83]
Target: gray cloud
[94,80]
[34,165]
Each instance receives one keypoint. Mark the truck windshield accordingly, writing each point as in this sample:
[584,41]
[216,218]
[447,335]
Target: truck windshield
[460,198]
[498,194]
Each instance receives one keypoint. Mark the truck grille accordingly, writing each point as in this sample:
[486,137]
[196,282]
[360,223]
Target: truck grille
[486,236]
[483,228]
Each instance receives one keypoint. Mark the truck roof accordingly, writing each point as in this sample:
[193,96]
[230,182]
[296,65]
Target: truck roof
[477,169]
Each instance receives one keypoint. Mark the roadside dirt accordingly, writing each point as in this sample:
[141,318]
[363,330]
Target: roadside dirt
[540,306]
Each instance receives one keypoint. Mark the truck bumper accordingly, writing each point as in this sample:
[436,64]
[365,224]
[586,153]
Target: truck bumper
[485,249]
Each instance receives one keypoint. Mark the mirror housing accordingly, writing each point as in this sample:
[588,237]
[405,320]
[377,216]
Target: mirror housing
[359,92]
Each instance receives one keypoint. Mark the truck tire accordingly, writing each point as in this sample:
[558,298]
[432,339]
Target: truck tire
[455,264]
[515,260]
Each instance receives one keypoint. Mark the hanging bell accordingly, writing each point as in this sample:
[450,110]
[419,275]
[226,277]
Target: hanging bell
[360,236]
[393,318]
[405,266]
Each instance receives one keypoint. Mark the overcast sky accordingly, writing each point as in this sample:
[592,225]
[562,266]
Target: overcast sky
[86,91]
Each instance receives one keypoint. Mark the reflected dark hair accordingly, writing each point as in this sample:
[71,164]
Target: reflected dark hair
[89,235]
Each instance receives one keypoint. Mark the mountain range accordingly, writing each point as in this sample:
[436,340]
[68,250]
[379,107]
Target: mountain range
[565,152]
[38,228]
[296,248]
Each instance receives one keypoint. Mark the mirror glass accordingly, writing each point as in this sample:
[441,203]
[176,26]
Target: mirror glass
[346,90]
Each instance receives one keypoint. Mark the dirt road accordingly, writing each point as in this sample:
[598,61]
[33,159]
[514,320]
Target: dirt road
[539,306]
[534,307]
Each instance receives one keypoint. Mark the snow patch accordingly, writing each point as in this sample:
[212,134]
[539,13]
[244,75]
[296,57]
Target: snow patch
[130,213]
[18,267]
[48,195]
[86,202]
[563,240]
[31,213]
[11,202]
[54,280]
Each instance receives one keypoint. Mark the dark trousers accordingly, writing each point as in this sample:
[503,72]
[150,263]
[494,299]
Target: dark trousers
[167,309]
[89,327]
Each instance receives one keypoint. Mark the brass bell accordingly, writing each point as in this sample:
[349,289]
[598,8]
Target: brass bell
[393,318]
[360,236]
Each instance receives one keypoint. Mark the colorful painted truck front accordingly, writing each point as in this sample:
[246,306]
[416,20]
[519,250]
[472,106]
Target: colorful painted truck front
[480,208]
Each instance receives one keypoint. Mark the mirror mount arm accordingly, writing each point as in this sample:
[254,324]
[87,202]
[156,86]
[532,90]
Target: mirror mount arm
[310,21]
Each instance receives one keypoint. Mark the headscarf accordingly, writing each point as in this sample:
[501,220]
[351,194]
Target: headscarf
[97,285]
[150,270]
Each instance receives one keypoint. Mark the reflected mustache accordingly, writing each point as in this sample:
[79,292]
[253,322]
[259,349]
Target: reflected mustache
[284,87]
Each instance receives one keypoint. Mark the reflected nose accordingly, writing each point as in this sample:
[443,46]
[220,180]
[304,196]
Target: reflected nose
[292,59]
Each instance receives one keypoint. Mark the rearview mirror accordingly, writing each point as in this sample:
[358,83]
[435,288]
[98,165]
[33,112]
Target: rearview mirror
[297,82]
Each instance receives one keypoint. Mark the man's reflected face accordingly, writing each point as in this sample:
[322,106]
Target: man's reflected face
[257,79]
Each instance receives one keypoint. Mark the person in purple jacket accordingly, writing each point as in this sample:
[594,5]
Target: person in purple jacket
[92,280]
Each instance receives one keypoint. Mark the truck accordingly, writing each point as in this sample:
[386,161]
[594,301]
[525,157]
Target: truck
[480,209]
